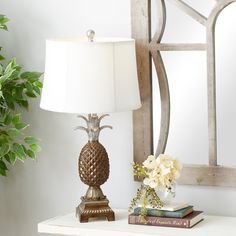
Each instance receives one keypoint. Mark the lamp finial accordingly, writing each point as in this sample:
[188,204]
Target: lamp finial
[90,35]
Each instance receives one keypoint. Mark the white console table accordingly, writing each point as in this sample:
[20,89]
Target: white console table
[69,225]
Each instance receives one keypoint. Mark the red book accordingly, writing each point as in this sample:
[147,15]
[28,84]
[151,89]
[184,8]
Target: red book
[187,222]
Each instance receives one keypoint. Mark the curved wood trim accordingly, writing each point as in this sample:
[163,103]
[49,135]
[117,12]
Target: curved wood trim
[161,23]
[189,11]
[216,11]
[211,77]
[162,80]
[165,101]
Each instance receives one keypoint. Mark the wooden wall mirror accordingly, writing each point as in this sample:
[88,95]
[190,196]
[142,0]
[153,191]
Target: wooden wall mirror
[186,68]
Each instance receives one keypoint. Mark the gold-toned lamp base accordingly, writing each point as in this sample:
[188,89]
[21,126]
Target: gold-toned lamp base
[94,209]
[94,171]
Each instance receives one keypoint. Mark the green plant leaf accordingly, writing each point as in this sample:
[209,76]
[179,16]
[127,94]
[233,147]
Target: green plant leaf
[10,65]
[9,100]
[31,94]
[35,147]
[31,76]
[2,58]
[1,69]
[21,126]
[8,119]
[3,21]
[30,140]
[13,133]
[3,172]
[16,119]
[19,93]
[38,84]
[19,151]
[31,154]
[3,139]
[4,27]
[37,90]
[10,69]
[24,103]
[11,157]
[3,168]
[4,149]
[29,87]
[15,74]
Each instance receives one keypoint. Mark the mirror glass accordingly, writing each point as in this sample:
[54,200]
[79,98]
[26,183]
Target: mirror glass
[187,77]
[226,85]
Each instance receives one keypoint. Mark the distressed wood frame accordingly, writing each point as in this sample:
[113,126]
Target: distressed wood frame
[147,47]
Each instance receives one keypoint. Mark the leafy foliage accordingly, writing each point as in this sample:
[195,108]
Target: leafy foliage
[145,196]
[3,26]
[16,88]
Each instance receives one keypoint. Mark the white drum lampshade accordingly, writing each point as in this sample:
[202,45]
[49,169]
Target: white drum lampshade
[90,77]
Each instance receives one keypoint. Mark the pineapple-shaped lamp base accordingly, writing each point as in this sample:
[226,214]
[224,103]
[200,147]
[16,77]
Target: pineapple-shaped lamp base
[94,171]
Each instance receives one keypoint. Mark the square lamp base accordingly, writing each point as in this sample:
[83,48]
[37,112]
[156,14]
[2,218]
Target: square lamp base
[94,209]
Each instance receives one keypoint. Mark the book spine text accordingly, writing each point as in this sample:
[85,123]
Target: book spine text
[159,221]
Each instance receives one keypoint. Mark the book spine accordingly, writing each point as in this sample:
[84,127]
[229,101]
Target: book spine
[159,221]
[156,213]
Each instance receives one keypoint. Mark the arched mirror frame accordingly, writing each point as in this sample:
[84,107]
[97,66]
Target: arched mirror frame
[148,48]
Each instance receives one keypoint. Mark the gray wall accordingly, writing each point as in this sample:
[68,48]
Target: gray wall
[50,186]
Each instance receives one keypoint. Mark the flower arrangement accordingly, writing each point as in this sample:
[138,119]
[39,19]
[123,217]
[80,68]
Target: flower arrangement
[158,173]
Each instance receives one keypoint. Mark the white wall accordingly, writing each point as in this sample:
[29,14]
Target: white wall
[38,190]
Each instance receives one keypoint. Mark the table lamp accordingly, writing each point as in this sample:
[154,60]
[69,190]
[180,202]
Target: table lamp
[91,75]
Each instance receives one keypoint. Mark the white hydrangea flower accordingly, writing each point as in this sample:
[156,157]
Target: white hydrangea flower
[150,163]
[151,183]
[161,171]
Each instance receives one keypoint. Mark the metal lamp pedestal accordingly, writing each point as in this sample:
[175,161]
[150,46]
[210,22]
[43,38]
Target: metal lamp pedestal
[94,171]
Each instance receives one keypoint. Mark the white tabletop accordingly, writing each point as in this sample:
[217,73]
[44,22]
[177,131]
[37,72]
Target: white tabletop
[69,225]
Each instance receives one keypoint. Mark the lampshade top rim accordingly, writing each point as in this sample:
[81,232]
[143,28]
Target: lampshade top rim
[85,40]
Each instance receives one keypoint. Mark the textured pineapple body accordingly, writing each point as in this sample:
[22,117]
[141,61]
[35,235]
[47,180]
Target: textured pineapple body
[93,164]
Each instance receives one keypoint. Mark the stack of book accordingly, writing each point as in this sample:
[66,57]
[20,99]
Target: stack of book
[172,215]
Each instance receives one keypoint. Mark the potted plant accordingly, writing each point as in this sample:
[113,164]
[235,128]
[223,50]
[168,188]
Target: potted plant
[16,88]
